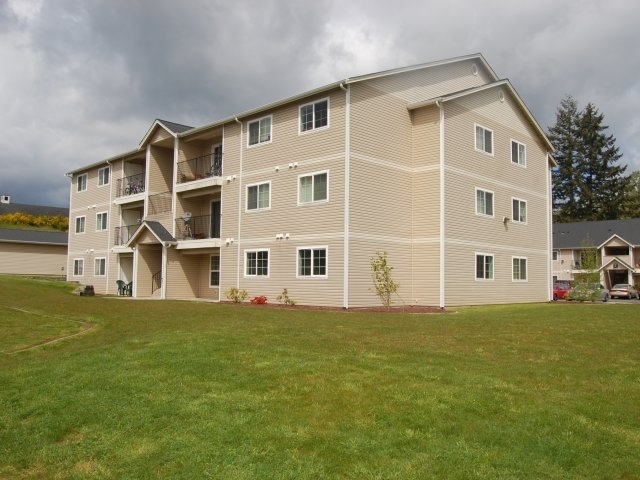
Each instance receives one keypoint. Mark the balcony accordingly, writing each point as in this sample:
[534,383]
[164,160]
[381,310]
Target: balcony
[130,185]
[123,234]
[197,228]
[199,168]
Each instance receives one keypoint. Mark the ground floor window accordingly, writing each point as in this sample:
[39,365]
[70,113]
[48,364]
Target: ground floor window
[519,268]
[257,263]
[214,271]
[484,266]
[312,262]
[100,267]
[78,267]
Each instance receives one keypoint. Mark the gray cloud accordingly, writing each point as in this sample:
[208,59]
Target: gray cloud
[85,79]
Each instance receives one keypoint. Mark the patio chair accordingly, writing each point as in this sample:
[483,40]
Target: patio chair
[128,289]
[121,287]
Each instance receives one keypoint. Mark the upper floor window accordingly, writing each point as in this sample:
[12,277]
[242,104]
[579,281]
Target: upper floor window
[257,263]
[80,224]
[484,140]
[78,267]
[312,262]
[484,202]
[103,176]
[519,269]
[484,266]
[101,221]
[519,208]
[314,115]
[554,255]
[100,267]
[259,196]
[260,131]
[82,182]
[518,153]
[312,188]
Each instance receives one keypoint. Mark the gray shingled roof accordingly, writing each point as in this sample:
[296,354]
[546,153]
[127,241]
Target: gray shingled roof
[571,235]
[9,235]
[32,209]
[159,231]
[175,127]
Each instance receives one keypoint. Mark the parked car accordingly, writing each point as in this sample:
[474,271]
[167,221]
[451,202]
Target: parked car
[589,291]
[624,290]
[560,289]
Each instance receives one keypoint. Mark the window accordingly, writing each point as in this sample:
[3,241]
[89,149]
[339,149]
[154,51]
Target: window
[484,266]
[484,202]
[100,267]
[260,131]
[519,210]
[78,267]
[82,182]
[80,224]
[554,255]
[519,269]
[314,115]
[214,271]
[518,153]
[103,176]
[312,262]
[484,140]
[312,188]
[257,263]
[101,221]
[259,196]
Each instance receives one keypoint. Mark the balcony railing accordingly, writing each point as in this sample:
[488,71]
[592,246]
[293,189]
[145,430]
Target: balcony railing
[130,185]
[159,203]
[196,228]
[123,234]
[200,167]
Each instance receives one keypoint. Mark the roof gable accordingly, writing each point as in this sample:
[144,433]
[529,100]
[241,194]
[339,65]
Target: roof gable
[155,229]
[171,128]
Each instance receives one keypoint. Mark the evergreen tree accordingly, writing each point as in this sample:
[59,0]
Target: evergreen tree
[588,183]
[632,196]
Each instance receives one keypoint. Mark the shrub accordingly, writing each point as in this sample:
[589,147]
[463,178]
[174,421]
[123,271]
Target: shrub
[383,282]
[285,299]
[259,300]
[236,295]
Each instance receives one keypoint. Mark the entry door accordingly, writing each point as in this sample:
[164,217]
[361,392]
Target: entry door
[215,219]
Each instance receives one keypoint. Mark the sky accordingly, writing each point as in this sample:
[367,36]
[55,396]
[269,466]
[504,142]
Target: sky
[83,80]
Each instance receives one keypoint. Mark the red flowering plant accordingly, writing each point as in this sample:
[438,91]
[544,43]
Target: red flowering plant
[259,300]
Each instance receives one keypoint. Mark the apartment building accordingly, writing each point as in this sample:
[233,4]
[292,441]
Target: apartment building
[617,246]
[441,165]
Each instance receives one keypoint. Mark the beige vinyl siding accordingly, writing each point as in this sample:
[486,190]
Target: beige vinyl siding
[159,135]
[160,170]
[466,170]
[149,263]
[33,259]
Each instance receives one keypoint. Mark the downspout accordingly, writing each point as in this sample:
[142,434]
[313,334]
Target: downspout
[347,157]
[110,221]
[442,235]
[549,236]
[239,209]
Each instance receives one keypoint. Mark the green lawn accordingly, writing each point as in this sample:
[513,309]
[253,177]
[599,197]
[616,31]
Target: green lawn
[163,389]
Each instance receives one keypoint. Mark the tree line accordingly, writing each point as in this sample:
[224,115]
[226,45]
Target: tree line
[589,183]
[52,222]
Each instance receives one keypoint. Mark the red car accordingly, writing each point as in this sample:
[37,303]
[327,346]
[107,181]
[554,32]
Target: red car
[561,288]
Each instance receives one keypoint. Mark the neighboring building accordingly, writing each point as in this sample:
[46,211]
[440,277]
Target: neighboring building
[441,165]
[6,206]
[33,252]
[617,243]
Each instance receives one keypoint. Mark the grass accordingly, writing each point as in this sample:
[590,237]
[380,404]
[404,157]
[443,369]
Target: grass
[149,389]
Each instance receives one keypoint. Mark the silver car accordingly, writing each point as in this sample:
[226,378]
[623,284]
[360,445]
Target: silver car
[623,290]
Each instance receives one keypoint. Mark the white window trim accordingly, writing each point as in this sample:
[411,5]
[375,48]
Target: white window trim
[81,260]
[518,280]
[218,270]
[75,228]
[526,206]
[251,250]
[246,200]
[493,206]
[106,228]
[312,202]
[95,274]
[258,120]
[475,267]
[493,141]
[86,183]
[100,185]
[522,165]
[317,247]
[314,129]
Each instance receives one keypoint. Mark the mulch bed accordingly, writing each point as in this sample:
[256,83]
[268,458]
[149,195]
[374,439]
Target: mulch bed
[374,309]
